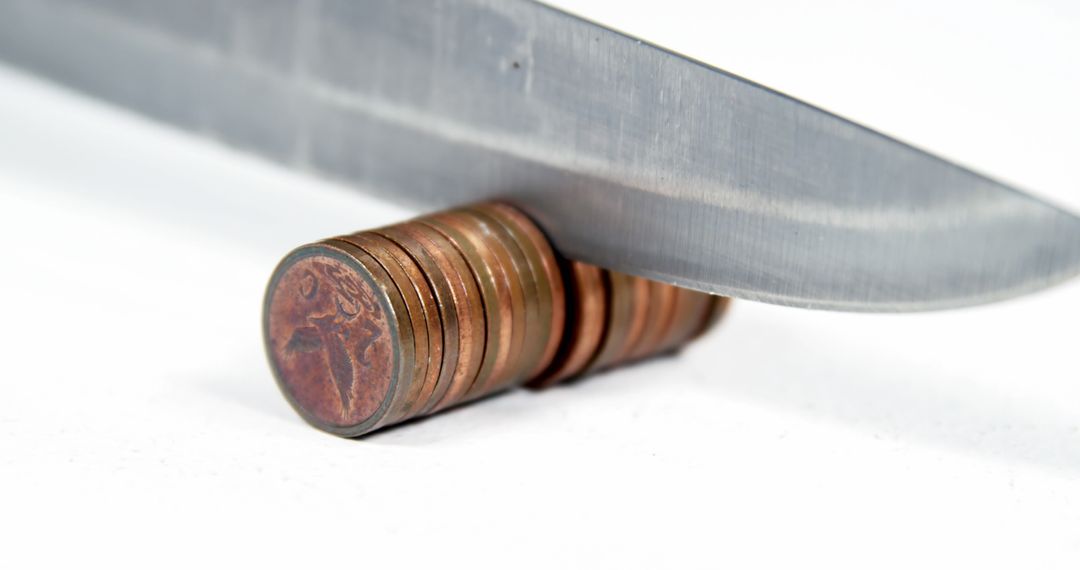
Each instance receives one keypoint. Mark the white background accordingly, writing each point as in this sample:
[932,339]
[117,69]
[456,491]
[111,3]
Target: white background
[139,425]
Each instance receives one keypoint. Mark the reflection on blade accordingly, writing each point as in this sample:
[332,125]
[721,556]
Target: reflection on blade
[630,156]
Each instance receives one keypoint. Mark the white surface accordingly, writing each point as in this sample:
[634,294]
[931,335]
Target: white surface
[139,425]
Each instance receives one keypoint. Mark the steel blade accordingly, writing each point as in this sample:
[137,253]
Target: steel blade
[632,157]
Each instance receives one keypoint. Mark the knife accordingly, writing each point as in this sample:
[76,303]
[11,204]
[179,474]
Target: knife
[630,156]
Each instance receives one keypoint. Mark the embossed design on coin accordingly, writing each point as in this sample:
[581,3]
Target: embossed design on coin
[329,339]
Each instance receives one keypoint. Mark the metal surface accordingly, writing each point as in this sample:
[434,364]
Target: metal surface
[631,157]
[336,317]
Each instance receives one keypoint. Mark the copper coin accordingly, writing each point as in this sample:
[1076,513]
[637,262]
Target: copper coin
[639,316]
[660,300]
[466,292]
[448,312]
[689,312]
[337,337]
[429,305]
[529,334]
[715,315]
[405,334]
[536,243]
[587,320]
[494,298]
[486,235]
[619,313]
[532,278]
[409,404]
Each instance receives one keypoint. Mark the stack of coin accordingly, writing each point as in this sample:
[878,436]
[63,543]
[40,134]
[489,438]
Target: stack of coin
[374,328]
[614,318]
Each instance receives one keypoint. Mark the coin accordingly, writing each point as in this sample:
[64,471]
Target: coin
[689,312]
[493,238]
[466,293]
[537,247]
[527,283]
[405,339]
[639,315]
[408,405]
[715,315]
[448,312]
[661,299]
[619,313]
[430,307]
[494,297]
[337,337]
[532,278]
[587,320]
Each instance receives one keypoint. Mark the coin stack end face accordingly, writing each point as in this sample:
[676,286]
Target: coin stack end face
[332,339]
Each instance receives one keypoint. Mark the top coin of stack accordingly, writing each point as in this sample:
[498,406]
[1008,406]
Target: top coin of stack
[374,328]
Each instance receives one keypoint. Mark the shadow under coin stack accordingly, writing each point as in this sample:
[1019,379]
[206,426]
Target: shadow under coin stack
[372,329]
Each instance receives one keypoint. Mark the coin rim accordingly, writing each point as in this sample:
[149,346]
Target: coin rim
[525,344]
[721,307]
[404,409]
[448,311]
[589,297]
[663,296]
[508,282]
[496,332]
[432,313]
[550,263]
[620,300]
[691,308]
[406,337]
[470,311]
[371,422]
[641,289]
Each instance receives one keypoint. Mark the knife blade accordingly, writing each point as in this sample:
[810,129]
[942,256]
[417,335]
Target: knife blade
[630,156]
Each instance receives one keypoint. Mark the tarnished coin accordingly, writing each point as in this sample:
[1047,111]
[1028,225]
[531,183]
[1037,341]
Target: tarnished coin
[531,277]
[494,297]
[405,338]
[537,246]
[639,316]
[510,290]
[586,320]
[466,293]
[448,311]
[661,300]
[407,406]
[619,313]
[530,323]
[689,312]
[719,308]
[430,307]
[337,336]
